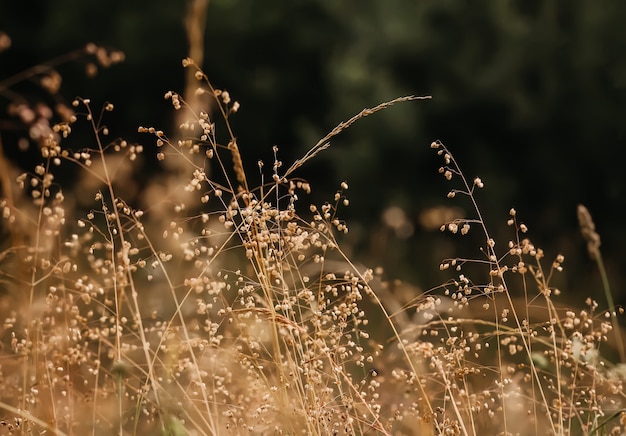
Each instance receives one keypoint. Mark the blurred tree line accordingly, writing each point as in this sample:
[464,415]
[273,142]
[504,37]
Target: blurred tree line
[530,95]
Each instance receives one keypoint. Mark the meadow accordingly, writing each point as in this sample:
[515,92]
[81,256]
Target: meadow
[189,302]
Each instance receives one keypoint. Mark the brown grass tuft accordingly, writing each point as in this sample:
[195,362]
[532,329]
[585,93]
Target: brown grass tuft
[213,307]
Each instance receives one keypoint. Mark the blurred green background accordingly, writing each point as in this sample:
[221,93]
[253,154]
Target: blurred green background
[530,95]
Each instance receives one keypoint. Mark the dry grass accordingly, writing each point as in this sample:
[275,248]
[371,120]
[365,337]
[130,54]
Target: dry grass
[211,307]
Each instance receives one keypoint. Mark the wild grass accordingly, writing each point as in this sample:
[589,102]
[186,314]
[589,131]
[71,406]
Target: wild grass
[209,306]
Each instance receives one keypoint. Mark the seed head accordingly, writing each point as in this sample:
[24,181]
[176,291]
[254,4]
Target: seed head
[588,230]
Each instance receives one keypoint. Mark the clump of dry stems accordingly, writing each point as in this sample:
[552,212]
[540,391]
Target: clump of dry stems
[214,307]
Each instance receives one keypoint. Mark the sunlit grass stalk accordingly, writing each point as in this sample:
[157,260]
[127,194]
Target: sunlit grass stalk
[588,230]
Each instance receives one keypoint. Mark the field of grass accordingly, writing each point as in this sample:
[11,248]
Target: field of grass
[189,302]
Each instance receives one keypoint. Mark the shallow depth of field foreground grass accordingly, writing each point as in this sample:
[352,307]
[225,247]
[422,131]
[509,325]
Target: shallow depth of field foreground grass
[205,305]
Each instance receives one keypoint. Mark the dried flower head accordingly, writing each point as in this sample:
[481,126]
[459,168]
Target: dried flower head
[588,230]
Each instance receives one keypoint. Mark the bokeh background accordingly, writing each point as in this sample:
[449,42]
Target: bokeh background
[530,95]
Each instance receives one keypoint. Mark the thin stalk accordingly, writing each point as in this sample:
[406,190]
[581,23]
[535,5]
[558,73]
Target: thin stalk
[609,300]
